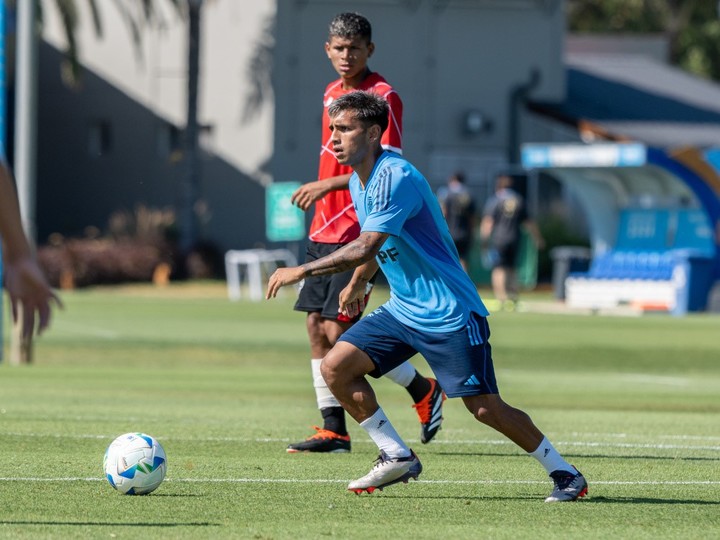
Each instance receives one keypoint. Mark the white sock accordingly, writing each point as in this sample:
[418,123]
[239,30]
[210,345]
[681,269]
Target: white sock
[550,458]
[384,435]
[403,374]
[322,392]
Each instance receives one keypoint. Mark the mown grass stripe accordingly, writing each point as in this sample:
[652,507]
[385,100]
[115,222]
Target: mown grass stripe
[492,442]
[344,481]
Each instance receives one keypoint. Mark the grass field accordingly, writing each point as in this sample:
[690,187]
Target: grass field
[633,402]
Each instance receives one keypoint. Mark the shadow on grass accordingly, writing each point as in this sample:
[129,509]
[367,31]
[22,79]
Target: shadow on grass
[663,458]
[510,454]
[585,500]
[176,495]
[110,524]
[578,456]
[465,499]
[646,500]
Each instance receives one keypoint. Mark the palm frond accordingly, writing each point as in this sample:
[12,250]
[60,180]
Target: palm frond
[133,26]
[71,68]
[97,20]
[259,71]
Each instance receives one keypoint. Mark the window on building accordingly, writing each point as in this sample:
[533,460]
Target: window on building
[168,140]
[99,138]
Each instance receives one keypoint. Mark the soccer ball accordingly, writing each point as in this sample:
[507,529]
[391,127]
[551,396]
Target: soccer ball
[135,464]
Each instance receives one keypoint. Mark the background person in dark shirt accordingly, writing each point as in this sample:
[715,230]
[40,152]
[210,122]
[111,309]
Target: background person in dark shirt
[504,215]
[458,208]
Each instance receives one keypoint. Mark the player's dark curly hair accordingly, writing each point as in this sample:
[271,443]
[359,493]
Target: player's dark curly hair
[349,26]
[369,108]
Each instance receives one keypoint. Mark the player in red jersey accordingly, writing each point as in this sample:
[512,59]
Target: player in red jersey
[335,224]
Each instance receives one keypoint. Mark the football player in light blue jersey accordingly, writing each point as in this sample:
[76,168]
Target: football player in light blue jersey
[429,290]
[434,308]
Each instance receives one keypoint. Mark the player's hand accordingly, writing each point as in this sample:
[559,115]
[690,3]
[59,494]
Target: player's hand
[352,300]
[308,193]
[28,288]
[282,277]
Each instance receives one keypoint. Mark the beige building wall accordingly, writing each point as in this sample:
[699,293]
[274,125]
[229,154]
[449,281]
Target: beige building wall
[156,77]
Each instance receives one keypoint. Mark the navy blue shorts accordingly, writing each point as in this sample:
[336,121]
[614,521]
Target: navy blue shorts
[461,360]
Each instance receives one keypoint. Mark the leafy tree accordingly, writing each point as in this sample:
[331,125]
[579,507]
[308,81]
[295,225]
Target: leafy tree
[692,27]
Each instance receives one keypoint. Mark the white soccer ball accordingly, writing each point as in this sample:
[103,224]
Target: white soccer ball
[135,464]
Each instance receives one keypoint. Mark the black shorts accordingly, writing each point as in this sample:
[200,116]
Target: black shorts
[507,255]
[320,294]
[463,247]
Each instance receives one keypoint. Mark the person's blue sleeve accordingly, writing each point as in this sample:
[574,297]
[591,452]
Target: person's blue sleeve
[395,200]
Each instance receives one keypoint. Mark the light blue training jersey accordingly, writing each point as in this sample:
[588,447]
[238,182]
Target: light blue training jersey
[429,290]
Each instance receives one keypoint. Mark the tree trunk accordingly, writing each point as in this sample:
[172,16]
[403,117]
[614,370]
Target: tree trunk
[191,185]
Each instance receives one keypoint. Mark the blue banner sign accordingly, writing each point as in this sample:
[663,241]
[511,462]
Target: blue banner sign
[544,156]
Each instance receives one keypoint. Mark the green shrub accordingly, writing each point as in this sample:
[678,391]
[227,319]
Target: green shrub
[556,232]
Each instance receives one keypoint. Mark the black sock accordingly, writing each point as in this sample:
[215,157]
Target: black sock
[418,387]
[334,418]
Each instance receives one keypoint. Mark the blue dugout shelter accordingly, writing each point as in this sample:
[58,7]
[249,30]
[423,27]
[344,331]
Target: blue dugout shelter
[647,179]
[653,217]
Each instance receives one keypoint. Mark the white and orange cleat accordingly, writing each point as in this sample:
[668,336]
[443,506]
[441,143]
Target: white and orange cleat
[386,472]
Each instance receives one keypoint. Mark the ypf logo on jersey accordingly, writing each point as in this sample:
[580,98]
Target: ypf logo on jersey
[385,254]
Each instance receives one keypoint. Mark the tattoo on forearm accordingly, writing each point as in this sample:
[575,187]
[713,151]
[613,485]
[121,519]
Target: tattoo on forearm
[352,255]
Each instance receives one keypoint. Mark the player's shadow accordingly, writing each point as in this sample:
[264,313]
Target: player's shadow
[178,495]
[580,456]
[111,524]
[646,500]
[461,498]
[644,458]
[510,454]
[586,500]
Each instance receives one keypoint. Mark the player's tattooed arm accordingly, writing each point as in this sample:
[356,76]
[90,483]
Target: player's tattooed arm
[359,251]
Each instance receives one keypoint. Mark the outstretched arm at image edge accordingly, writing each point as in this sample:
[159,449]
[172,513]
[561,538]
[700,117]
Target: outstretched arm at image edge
[24,280]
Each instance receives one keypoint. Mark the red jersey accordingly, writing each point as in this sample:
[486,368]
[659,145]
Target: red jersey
[335,221]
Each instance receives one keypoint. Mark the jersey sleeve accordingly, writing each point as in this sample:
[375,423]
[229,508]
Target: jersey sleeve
[392,138]
[394,199]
